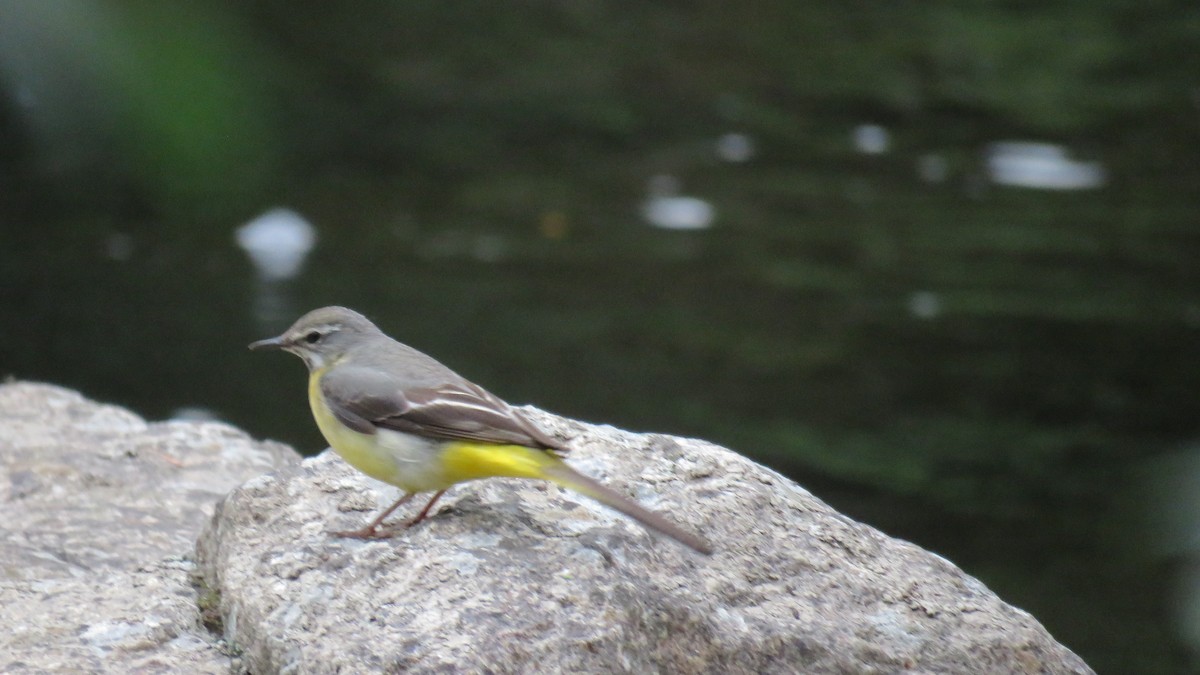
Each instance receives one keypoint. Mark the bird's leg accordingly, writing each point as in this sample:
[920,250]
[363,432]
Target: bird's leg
[425,511]
[396,529]
[372,531]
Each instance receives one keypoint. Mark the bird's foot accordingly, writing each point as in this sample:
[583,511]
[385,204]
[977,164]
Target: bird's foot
[369,532]
[377,532]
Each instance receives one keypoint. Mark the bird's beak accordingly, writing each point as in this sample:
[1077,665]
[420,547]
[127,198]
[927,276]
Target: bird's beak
[269,343]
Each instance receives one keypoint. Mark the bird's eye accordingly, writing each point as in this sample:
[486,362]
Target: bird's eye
[313,337]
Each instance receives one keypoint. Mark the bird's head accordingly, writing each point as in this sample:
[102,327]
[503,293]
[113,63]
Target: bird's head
[323,336]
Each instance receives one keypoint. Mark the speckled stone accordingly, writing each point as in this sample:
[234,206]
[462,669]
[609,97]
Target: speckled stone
[101,510]
[514,576]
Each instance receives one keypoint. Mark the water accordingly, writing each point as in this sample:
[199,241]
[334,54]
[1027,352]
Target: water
[995,361]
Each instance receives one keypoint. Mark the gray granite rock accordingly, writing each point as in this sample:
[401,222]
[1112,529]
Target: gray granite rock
[101,512]
[520,577]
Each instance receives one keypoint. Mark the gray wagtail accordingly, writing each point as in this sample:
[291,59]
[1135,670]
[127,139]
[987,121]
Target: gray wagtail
[401,417]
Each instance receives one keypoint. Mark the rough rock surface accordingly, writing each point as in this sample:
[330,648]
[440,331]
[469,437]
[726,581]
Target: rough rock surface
[517,577]
[101,513]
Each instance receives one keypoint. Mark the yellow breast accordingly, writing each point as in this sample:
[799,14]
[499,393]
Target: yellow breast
[416,464]
[406,461]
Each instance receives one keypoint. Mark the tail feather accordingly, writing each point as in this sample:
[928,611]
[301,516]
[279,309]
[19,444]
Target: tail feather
[468,461]
[564,476]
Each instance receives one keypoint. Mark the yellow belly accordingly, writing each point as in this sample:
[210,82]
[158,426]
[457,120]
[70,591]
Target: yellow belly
[409,462]
[416,464]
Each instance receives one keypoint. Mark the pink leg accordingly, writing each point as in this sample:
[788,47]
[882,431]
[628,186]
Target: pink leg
[425,511]
[372,531]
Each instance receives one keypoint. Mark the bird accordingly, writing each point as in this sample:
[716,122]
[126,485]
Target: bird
[403,418]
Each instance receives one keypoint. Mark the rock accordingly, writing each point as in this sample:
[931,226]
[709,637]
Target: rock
[102,509]
[515,576]
[101,512]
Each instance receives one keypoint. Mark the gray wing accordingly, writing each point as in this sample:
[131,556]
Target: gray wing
[366,399]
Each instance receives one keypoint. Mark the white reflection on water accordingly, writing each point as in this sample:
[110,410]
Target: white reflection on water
[925,305]
[735,147]
[1043,166]
[277,242]
[667,209]
[871,139]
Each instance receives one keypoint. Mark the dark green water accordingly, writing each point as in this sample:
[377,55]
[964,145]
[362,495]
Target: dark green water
[991,372]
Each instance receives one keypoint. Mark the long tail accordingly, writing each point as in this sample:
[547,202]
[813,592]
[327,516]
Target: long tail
[466,461]
[564,476]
